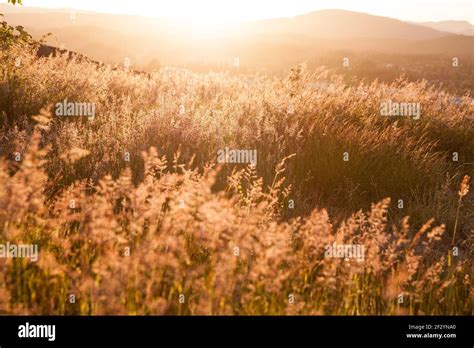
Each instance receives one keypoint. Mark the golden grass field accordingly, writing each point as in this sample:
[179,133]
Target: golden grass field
[133,215]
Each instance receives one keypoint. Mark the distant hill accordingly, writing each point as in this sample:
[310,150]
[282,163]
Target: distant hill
[454,27]
[341,24]
[268,44]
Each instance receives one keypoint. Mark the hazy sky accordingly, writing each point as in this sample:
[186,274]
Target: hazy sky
[237,10]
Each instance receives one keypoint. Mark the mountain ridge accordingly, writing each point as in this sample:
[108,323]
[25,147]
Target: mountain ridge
[112,38]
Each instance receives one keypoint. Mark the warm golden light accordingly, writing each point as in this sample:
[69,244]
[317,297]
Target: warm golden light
[213,12]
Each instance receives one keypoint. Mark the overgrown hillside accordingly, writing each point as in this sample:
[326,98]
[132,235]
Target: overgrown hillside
[133,214]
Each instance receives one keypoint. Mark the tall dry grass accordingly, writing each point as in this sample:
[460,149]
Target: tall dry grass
[169,232]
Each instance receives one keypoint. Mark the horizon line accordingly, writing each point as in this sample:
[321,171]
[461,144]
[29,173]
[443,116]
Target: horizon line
[87,11]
